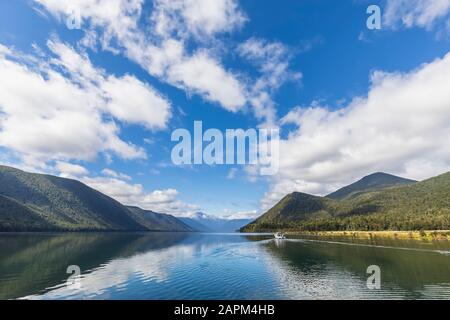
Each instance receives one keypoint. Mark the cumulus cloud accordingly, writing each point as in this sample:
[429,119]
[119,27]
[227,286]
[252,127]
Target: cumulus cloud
[198,18]
[72,124]
[119,187]
[133,101]
[127,98]
[162,52]
[118,17]
[416,13]
[400,127]
[202,74]
[68,170]
[180,47]
[115,174]
[272,60]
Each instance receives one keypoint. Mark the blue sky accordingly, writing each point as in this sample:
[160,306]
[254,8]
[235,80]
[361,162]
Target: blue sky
[348,100]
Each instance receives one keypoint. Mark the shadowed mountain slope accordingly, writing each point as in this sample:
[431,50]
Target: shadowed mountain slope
[37,202]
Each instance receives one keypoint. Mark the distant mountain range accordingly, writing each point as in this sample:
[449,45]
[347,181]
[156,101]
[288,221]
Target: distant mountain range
[206,223]
[376,202]
[37,202]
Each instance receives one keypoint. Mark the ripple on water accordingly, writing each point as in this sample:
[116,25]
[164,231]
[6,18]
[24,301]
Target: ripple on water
[293,269]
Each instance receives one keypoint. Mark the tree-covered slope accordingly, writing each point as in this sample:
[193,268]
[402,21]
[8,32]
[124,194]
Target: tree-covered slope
[158,221]
[422,205]
[293,208]
[36,202]
[16,217]
[371,182]
[298,206]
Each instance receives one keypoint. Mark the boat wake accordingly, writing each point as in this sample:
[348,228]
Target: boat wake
[443,252]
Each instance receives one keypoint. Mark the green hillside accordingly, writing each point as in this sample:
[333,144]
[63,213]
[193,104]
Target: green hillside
[158,221]
[298,206]
[17,217]
[420,206]
[36,202]
[371,182]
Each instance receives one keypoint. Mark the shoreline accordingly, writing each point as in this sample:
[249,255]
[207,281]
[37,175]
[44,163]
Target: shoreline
[425,235]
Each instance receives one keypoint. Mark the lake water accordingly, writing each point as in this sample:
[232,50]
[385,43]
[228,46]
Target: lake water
[217,266]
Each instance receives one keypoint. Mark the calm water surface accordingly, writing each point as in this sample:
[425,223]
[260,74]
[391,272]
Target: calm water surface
[217,266]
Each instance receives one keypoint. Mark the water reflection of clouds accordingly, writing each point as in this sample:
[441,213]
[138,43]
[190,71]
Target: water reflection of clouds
[152,266]
[205,268]
[117,274]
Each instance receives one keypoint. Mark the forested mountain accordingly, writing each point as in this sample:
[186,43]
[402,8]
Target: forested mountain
[412,206]
[37,202]
[158,221]
[373,182]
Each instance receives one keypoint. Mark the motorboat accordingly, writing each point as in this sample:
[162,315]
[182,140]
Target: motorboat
[279,236]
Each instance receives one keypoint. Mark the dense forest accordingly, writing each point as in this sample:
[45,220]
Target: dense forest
[37,202]
[400,205]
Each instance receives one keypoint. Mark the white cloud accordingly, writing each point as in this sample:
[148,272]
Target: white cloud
[118,17]
[159,51]
[124,191]
[57,107]
[68,170]
[198,18]
[180,47]
[121,190]
[200,73]
[401,127]
[415,13]
[272,60]
[114,174]
[135,102]
[127,98]
[151,265]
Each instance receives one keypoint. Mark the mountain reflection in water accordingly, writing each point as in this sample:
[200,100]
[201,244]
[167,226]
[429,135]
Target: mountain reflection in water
[216,266]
